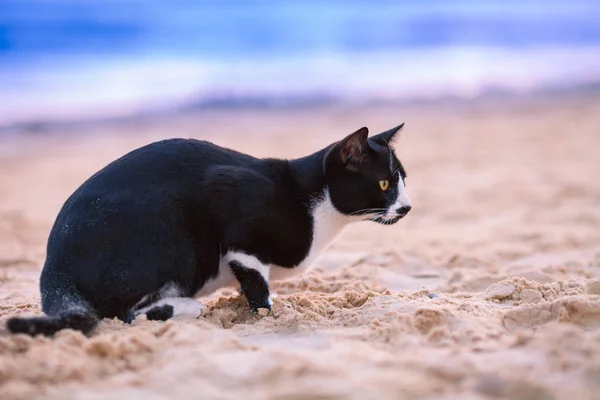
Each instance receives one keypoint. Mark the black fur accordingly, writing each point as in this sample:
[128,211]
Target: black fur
[253,285]
[168,212]
[47,326]
[160,313]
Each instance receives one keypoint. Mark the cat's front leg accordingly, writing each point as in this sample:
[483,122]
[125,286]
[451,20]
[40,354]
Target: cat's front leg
[253,276]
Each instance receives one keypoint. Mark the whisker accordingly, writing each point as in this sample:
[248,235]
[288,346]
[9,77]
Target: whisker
[365,212]
[418,167]
[368,211]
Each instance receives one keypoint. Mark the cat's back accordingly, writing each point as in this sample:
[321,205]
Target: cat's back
[162,166]
[156,177]
[167,162]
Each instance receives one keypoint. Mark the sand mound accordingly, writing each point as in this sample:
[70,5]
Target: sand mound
[518,291]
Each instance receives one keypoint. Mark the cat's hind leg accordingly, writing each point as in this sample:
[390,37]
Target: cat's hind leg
[170,307]
[169,301]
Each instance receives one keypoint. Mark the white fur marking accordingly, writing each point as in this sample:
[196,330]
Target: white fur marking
[328,223]
[226,278]
[168,290]
[248,261]
[181,306]
[401,201]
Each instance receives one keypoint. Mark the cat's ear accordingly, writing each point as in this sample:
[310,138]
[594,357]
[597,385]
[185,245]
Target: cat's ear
[389,137]
[354,148]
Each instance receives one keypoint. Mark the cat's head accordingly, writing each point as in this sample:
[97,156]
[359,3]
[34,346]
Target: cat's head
[365,178]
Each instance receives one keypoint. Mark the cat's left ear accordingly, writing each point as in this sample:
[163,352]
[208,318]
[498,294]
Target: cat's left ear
[389,137]
[354,148]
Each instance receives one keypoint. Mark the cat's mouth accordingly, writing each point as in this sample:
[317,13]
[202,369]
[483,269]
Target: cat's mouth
[384,220]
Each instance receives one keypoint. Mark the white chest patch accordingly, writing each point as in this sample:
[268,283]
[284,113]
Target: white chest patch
[328,223]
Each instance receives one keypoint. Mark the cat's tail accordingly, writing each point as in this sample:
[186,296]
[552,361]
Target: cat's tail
[80,321]
[76,314]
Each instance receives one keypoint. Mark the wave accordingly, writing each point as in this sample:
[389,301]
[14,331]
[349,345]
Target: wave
[119,86]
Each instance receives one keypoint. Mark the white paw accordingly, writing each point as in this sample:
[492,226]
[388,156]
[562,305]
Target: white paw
[270,301]
[184,306]
[191,308]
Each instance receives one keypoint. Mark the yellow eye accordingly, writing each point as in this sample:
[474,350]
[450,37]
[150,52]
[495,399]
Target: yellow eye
[384,184]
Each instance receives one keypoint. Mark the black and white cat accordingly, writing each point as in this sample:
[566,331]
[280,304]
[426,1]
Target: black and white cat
[182,218]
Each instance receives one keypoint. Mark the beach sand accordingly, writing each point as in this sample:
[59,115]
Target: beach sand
[489,289]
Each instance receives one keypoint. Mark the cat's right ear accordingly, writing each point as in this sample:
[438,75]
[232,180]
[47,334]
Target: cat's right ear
[354,148]
[389,137]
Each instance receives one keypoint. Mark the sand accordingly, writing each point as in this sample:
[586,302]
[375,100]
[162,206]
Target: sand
[489,289]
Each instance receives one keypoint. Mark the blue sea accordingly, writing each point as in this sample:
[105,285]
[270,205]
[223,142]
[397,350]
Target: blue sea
[87,58]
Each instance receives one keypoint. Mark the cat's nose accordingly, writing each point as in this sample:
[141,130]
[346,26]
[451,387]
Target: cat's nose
[402,211]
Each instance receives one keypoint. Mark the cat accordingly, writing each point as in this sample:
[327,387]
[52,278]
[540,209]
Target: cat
[181,218]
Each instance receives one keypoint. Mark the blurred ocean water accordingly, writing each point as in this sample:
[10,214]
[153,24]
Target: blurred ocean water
[80,58]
